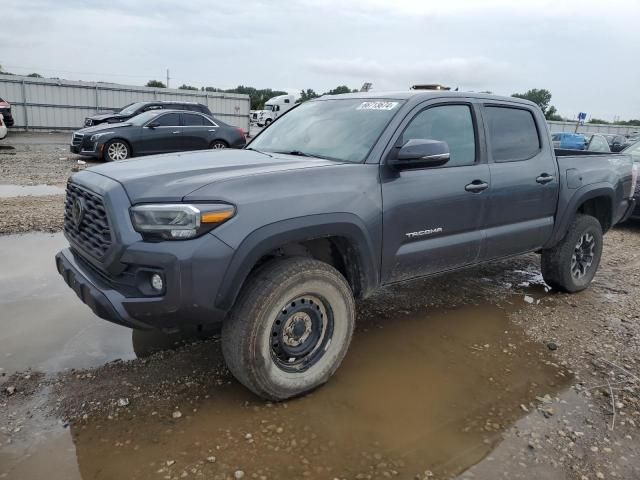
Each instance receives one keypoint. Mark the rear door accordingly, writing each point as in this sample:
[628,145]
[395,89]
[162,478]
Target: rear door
[163,138]
[524,181]
[432,217]
[198,131]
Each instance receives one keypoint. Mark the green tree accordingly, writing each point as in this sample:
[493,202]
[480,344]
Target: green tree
[597,120]
[34,75]
[542,98]
[258,96]
[339,90]
[156,84]
[307,94]
[632,123]
[187,87]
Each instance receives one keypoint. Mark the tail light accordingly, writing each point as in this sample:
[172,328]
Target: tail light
[242,132]
[634,178]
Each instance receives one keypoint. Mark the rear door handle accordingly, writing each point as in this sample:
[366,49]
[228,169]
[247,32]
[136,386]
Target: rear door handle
[544,178]
[212,130]
[476,186]
[178,131]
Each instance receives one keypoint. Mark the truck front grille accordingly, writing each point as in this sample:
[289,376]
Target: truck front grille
[77,139]
[86,222]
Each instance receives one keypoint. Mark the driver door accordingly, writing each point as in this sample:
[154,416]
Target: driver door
[162,134]
[433,217]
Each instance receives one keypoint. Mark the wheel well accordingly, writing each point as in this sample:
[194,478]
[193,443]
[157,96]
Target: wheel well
[334,250]
[219,140]
[600,208]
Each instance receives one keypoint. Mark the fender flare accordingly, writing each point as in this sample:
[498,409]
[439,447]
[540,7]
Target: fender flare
[268,238]
[580,196]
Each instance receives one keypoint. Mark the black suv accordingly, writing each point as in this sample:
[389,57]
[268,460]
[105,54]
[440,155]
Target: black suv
[137,108]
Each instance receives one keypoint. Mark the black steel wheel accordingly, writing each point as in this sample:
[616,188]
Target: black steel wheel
[572,263]
[290,328]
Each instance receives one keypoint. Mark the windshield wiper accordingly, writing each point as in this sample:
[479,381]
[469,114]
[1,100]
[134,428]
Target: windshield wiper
[297,153]
[259,151]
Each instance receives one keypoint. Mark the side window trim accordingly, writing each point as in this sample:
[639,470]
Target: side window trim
[514,106]
[164,115]
[424,107]
[210,123]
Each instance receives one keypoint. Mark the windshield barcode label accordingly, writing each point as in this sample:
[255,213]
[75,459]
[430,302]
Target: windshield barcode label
[377,106]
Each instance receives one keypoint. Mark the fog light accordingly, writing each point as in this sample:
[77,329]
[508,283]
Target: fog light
[156,282]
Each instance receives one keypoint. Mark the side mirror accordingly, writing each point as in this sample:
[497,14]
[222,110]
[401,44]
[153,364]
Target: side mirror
[153,125]
[418,153]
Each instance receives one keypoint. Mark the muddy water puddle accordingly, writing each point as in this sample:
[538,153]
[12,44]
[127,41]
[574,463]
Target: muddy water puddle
[43,325]
[415,393]
[9,191]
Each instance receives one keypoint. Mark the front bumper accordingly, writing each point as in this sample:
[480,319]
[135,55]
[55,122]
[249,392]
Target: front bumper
[116,286]
[192,273]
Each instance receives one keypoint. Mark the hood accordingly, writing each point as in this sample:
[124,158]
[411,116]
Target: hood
[108,116]
[171,177]
[102,127]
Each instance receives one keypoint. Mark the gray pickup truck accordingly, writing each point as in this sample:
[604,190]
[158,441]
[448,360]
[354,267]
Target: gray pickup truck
[339,196]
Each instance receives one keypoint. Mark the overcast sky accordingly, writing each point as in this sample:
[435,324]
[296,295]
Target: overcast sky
[587,53]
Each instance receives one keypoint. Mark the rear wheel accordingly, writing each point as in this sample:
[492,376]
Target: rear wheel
[290,329]
[116,150]
[218,144]
[267,122]
[571,265]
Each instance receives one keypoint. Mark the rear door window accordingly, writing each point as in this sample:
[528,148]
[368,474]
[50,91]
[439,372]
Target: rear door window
[512,133]
[169,120]
[193,120]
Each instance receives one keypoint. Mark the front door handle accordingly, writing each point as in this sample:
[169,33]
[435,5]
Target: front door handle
[476,186]
[544,178]
[176,132]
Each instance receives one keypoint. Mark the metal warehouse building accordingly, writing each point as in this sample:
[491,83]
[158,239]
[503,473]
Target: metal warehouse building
[49,104]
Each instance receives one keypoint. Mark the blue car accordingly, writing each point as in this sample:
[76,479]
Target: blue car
[569,141]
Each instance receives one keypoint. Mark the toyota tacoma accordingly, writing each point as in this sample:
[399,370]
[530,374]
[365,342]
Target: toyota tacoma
[339,196]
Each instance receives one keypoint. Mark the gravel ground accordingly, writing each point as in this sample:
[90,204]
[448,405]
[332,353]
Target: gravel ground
[589,431]
[35,159]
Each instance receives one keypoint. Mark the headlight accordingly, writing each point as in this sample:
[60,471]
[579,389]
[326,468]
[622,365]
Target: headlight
[98,135]
[178,221]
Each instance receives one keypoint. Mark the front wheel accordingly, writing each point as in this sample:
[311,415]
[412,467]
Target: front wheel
[218,144]
[116,150]
[571,265]
[290,329]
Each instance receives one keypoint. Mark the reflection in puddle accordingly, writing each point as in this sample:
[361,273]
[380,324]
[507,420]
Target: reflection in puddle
[8,191]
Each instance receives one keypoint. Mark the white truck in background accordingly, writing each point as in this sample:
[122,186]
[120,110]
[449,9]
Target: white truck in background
[273,108]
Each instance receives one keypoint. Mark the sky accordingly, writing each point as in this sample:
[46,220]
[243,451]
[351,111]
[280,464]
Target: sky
[585,52]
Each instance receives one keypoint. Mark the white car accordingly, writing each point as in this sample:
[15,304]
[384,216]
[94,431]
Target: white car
[3,128]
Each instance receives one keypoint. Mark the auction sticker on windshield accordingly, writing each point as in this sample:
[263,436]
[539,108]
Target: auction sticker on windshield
[377,106]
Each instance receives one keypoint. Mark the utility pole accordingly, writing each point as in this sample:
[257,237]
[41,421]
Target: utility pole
[168,78]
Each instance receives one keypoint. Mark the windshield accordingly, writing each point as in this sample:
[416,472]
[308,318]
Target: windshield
[129,109]
[342,130]
[144,117]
